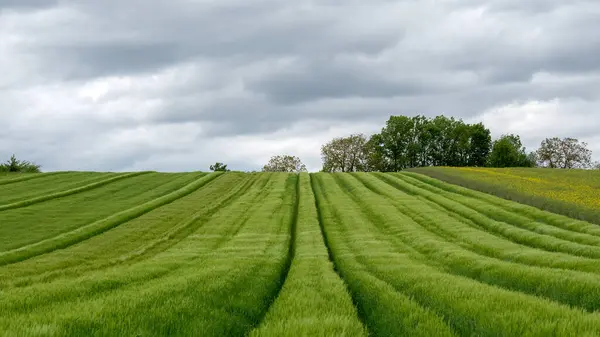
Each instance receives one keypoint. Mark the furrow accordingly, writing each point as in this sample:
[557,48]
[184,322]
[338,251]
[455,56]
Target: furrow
[248,268]
[470,307]
[82,233]
[504,229]
[56,195]
[452,226]
[569,287]
[187,227]
[121,246]
[28,176]
[51,184]
[511,212]
[569,225]
[313,300]
[385,310]
[290,254]
[219,229]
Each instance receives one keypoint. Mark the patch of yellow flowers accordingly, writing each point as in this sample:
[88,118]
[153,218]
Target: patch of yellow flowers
[572,186]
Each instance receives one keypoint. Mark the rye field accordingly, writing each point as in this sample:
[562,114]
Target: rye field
[276,254]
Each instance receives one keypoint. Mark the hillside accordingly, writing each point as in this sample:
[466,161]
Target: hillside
[574,193]
[276,254]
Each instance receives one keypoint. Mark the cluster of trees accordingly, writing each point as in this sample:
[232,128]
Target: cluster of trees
[19,166]
[407,142]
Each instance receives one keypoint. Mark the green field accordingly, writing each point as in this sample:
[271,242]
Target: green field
[276,254]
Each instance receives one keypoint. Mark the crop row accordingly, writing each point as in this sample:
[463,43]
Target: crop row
[313,300]
[136,239]
[369,236]
[278,254]
[220,279]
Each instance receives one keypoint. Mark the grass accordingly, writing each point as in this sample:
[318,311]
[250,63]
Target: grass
[314,300]
[11,178]
[25,226]
[66,239]
[85,186]
[219,280]
[467,306]
[275,254]
[573,193]
[410,227]
[46,184]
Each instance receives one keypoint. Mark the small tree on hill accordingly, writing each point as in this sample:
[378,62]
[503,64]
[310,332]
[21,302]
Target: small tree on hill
[18,166]
[219,167]
[284,163]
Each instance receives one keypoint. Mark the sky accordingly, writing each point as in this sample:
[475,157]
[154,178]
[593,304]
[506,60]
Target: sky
[177,85]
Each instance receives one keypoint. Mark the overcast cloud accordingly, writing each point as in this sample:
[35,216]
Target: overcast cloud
[178,85]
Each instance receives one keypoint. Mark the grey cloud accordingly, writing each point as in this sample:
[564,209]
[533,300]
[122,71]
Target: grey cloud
[327,82]
[251,68]
[26,4]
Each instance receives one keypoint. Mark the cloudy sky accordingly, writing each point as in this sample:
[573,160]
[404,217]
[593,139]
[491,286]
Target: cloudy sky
[177,85]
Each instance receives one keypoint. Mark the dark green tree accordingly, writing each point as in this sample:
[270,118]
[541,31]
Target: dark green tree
[17,166]
[376,160]
[481,144]
[508,151]
[219,167]
[396,137]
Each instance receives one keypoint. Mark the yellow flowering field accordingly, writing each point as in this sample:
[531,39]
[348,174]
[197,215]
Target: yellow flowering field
[571,192]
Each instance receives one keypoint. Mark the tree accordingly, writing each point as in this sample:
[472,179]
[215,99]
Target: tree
[396,136]
[597,165]
[420,141]
[284,163]
[508,151]
[219,167]
[345,154]
[376,161]
[15,165]
[566,153]
[480,145]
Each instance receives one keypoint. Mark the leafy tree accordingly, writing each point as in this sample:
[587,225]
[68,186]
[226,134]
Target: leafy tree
[508,151]
[219,167]
[15,165]
[345,154]
[284,163]
[566,153]
[396,137]
[376,161]
[480,146]
[419,141]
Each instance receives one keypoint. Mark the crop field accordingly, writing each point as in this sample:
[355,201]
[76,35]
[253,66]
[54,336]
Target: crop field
[574,193]
[277,254]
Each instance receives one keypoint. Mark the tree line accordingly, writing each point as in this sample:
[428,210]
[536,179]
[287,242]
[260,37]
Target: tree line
[408,142]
